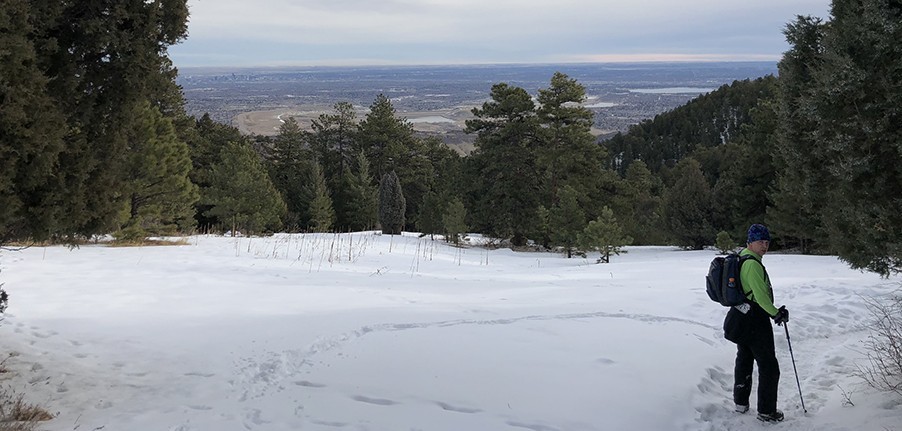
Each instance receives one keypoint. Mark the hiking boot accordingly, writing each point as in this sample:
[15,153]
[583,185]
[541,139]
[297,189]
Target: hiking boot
[741,408]
[776,416]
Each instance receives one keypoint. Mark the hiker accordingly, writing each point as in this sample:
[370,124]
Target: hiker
[748,326]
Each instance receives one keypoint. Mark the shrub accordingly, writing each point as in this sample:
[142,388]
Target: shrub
[884,345]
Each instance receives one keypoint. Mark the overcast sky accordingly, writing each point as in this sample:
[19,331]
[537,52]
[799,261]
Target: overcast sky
[425,32]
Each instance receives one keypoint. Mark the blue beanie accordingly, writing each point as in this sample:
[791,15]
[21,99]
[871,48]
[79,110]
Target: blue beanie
[758,232]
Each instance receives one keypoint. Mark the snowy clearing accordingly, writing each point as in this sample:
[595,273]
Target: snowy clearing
[373,332]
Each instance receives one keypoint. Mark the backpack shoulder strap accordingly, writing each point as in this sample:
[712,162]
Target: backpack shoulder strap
[743,259]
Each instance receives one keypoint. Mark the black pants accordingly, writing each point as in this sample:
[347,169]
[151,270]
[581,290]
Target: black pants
[758,347]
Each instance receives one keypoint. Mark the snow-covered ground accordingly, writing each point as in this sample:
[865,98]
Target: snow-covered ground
[372,332]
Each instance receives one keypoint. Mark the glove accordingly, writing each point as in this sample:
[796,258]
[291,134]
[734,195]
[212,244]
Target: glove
[782,316]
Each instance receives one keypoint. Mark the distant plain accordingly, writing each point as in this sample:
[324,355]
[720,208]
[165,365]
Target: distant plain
[437,100]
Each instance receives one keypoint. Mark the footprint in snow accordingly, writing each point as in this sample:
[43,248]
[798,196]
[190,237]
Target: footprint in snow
[450,408]
[307,384]
[533,427]
[376,401]
[330,424]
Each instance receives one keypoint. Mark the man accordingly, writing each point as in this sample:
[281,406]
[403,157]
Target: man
[749,327]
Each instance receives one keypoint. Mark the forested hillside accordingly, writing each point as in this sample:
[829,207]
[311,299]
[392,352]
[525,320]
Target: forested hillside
[94,140]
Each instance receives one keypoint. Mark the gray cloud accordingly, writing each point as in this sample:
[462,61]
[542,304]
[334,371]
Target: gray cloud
[438,31]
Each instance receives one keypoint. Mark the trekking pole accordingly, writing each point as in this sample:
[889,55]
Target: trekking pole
[786,327]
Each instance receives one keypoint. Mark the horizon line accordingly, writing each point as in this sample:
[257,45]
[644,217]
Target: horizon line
[498,63]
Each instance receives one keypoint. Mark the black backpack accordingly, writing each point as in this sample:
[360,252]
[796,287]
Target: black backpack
[723,282]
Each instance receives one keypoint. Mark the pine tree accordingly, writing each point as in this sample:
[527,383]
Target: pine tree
[429,221]
[160,196]
[569,154]
[205,141]
[391,204]
[724,242]
[332,142]
[454,221]
[292,174]
[566,221]
[505,179]
[604,235]
[638,205]
[688,207]
[391,146]
[241,193]
[105,56]
[322,216]
[796,195]
[31,132]
[363,206]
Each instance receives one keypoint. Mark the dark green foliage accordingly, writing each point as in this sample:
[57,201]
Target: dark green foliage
[568,152]
[454,221]
[241,193]
[159,195]
[707,121]
[724,243]
[31,130]
[604,235]
[205,140]
[858,133]
[291,171]
[332,141]
[566,220]
[104,57]
[638,204]
[505,177]
[795,209]
[429,221]
[322,215]
[390,146]
[688,207]
[747,175]
[391,204]
[841,129]
[363,205]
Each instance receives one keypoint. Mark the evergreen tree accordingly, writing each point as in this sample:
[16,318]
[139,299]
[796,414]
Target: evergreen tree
[160,196]
[505,179]
[454,221]
[31,131]
[604,235]
[205,140]
[332,143]
[566,221]
[796,195]
[569,153]
[322,216]
[363,206]
[742,188]
[391,204]
[638,205]
[430,221]
[858,151]
[241,193]
[724,242]
[105,57]
[292,173]
[391,146]
[688,207]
